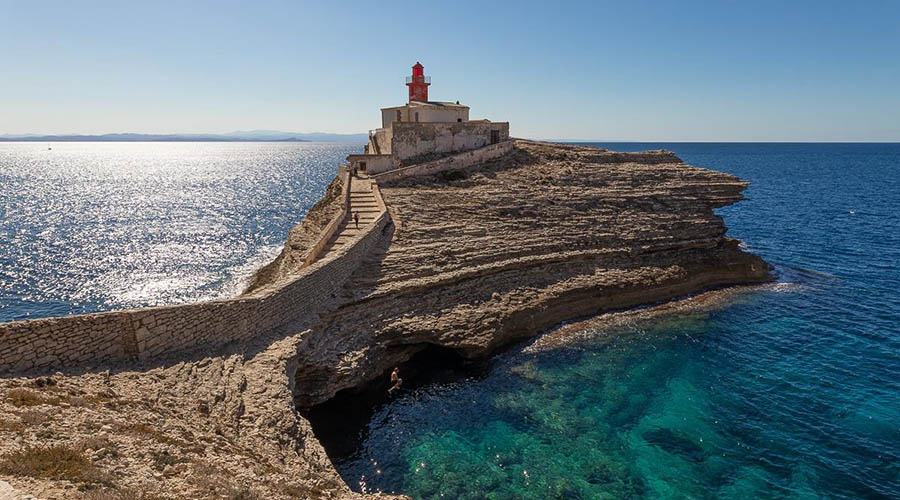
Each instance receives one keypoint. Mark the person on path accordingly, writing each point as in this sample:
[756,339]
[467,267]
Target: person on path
[396,381]
[356,219]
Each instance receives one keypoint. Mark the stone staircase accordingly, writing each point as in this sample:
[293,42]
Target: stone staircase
[362,202]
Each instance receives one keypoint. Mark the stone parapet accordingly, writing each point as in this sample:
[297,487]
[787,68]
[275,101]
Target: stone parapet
[455,162]
[316,251]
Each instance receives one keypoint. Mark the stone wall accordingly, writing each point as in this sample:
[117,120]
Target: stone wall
[383,138]
[426,113]
[374,163]
[455,162]
[411,140]
[335,223]
[379,142]
[70,341]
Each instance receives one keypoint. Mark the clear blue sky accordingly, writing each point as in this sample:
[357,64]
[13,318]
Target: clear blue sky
[677,70]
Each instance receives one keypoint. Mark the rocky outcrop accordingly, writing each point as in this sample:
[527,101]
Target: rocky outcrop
[475,259]
[300,239]
[489,255]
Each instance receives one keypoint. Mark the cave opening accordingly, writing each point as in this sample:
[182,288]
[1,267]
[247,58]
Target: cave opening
[340,424]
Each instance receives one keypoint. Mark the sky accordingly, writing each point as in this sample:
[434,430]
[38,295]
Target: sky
[594,70]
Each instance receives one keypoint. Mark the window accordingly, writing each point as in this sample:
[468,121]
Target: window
[417,116]
[495,136]
[459,120]
[399,116]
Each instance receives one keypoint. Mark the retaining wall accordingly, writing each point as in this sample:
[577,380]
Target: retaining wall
[411,139]
[374,163]
[455,162]
[70,341]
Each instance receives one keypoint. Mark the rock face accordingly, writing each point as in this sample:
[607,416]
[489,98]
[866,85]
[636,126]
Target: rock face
[300,239]
[477,259]
[549,233]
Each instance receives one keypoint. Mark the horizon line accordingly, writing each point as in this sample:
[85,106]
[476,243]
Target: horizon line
[199,137]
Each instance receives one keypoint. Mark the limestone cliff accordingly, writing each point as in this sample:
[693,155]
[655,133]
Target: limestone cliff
[549,233]
[300,239]
[476,259]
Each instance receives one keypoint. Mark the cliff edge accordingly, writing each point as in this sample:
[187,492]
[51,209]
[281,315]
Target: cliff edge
[475,259]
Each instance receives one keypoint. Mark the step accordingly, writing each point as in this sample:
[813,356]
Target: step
[351,232]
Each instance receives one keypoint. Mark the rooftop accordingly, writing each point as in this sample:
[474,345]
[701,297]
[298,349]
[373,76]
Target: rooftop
[439,104]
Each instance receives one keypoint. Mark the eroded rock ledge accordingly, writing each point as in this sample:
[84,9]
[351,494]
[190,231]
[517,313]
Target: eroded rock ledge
[549,233]
[477,259]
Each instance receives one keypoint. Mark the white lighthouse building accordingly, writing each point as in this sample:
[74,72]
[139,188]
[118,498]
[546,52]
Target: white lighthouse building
[423,129]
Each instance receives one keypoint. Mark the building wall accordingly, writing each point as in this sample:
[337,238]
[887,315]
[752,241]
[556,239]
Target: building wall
[70,341]
[426,114]
[439,114]
[374,163]
[381,138]
[389,116]
[411,140]
[456,162]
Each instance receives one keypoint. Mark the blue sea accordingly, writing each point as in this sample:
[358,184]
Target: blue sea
[788,392]
[88,227]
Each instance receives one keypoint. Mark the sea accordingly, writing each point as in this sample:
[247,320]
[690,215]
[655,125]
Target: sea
[97,226]
[791,391]
[788,391]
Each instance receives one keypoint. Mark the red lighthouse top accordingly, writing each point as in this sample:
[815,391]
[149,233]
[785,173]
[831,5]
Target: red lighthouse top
[418,84]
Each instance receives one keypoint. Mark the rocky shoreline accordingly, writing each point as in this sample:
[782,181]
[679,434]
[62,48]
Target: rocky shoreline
[475,259]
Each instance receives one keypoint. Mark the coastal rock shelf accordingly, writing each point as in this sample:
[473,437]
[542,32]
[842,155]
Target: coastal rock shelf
[483,257]
[469,260]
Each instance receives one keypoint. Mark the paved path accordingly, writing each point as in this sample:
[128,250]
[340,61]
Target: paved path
[362,201]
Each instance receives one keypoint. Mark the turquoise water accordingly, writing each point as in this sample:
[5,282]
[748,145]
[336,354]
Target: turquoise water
[87,227]
[789,392]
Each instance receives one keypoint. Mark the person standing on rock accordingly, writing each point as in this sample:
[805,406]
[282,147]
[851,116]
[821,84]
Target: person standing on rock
[396,381]
[356,219]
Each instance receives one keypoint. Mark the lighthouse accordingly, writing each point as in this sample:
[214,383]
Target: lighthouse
[421,128]
[418,84]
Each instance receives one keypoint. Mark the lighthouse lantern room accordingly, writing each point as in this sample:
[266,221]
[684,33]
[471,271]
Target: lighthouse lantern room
[418,84]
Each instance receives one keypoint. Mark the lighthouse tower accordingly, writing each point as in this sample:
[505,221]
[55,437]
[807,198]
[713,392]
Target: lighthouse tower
[418,84]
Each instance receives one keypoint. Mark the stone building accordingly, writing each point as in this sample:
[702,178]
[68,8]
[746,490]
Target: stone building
[423,129]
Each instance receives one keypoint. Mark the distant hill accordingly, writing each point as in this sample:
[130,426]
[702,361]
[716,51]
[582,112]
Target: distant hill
[238,136]
[275,135]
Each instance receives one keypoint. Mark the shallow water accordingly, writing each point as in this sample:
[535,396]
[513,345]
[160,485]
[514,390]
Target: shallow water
[88,227]
[788,392]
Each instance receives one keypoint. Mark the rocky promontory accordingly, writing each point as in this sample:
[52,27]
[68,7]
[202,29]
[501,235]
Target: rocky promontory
[474,259]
